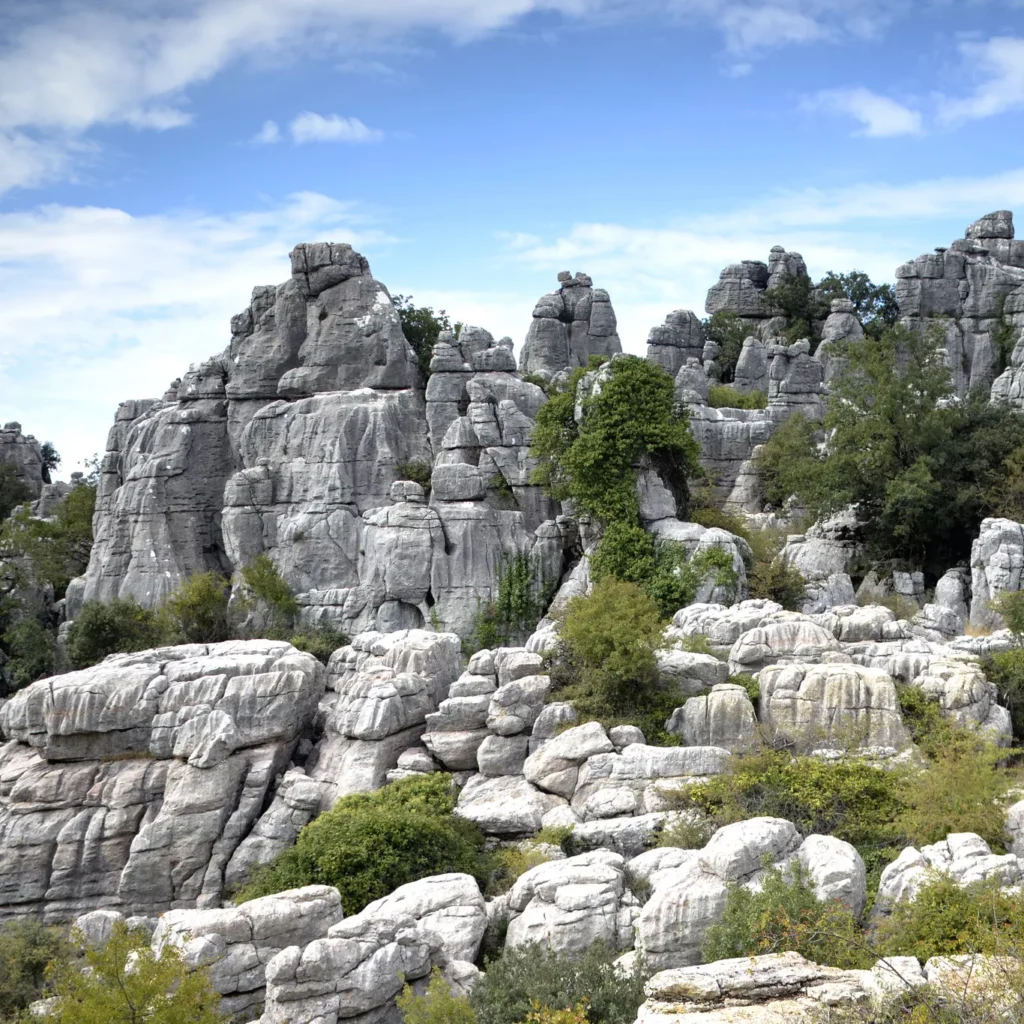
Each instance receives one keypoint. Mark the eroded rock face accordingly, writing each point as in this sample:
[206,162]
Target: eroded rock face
[997,567]
[130,785]
[568,327]
[364,961]
[23,452]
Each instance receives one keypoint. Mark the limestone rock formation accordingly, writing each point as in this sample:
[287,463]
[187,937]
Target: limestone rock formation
[997,567]
[24,453]
[130,785]
[568,327]
[678,340]
[969,291]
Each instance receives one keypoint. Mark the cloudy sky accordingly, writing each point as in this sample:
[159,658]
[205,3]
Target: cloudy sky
[159,158]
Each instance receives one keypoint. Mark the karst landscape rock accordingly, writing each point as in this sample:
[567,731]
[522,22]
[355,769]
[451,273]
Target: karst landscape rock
[395,505]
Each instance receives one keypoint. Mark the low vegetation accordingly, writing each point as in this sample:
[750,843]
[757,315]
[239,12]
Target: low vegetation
[723,396]
[367,845]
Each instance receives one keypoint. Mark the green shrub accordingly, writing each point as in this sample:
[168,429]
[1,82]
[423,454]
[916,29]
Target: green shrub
[119,625]
[697,644]
[661,568]
[507,863]
[422,327]
[749,683]
[945,919]
[729,332]
[526,975]
[31,650]
[722,396]
[417,471]
[436,1006]
[785,914]
[778,580]
[515,612]
[849,799]
[959,792]
[1010,607]
[613,636]
[197,611]
[922,715]
[686,832]
[369,844]
[26,948]
[125,981]
[266,586]
[320,641]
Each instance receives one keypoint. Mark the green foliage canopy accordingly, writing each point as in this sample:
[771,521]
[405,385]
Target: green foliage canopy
[26,948]
[421,327]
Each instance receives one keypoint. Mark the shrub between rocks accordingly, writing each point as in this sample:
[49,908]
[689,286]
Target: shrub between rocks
[26,948]
[369,844]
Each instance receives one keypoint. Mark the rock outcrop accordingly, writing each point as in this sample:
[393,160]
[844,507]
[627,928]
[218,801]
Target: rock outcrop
[130,785]
[24,453]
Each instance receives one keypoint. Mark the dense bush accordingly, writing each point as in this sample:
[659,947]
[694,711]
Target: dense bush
[197,611]
[529,975]
[608,667]
[102,628]
[369,844]
[898,449]
[729,332]
[320,641]
[722,396]
[848,799]
[778,580]
[31,650]
[419,472]
[785,914]
[513,615]
[125,981]
[266,592]
[660,568]
[945,919]
[1006,670]
[26,948]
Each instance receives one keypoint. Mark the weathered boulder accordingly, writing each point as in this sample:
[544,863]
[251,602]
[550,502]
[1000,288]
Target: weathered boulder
[722,625]
[830,705]
[687,673]
[364,961]
[788,636]
[554,767]
[678,340]
[568,905]
[505,806]
[568,327]
[237,943]
[997,565]
[723,718]
[24,453]
[964,856]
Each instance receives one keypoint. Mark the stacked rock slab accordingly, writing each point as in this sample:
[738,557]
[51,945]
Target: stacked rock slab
[973,292]
[23,452]
[130,785]
[569,326]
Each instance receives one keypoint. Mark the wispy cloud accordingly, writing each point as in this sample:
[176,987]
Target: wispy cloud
[101,305]
[998,65]
[310,127]
[268,134]
[880,117]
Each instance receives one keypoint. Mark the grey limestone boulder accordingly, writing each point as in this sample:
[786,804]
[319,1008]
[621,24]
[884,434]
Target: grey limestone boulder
[963,856]
[675,342]
[836,871]
[568,905]
[722,718]
[506,805]
[364,961]
[997,565]
[721,625]
[568,327]
[831,705]
[503,755]
[237,943]
[690,673]
[790,637]
[23,452]
[554,767]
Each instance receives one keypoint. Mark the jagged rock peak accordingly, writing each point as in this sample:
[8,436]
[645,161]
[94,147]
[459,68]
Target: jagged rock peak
[23,452]
[741,286]
[569,326]
[992,225]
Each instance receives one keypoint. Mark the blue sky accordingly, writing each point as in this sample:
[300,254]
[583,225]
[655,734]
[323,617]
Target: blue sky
[159,158]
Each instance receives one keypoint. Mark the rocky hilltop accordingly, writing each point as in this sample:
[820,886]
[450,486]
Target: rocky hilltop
[156,785]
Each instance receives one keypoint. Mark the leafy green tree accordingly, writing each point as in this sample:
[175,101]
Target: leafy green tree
[103,628]
[197,611]
[898,449]
[26,949]
[31,650]
[127,983]
[874,304]
[267,589]
[778,580]
[422,327]
[785,914]
[796,299]
[51,457]
[369,844]
[729,332]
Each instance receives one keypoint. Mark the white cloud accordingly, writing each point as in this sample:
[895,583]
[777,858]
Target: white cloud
[881,117]
[749,28]
[310,127]
[268,134]
[26,162]
[100,306]
[999,64]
